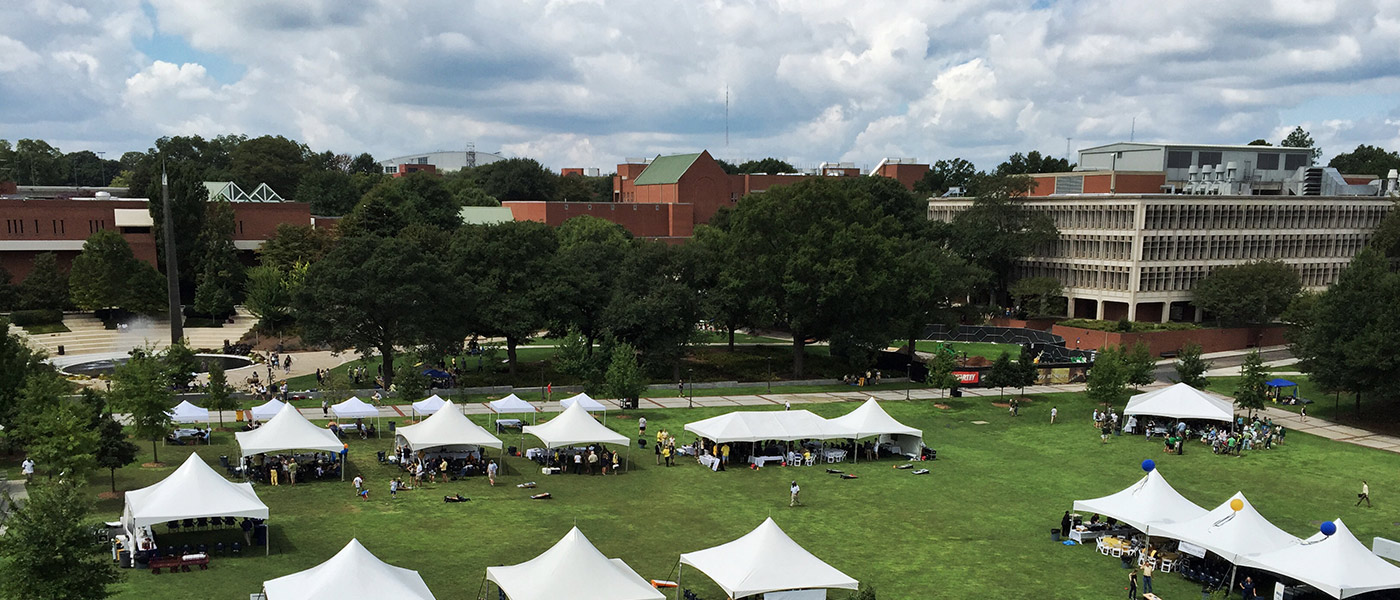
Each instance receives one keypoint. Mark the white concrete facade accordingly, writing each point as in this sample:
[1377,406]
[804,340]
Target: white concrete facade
[444,160]
[1126,252]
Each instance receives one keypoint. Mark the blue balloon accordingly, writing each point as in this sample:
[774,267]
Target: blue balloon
[1148,465]
[1328,528]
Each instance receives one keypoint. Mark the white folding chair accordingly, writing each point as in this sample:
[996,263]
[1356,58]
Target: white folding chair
[810,460]
[1167,565]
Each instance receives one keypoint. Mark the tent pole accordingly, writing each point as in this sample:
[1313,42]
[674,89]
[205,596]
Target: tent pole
[679,567]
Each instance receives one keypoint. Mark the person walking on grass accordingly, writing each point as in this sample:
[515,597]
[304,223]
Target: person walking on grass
[27,467]
[641,427]
[795,490]
[1054,412]
[393,488]
[1132,584]
[491,469]
[1365,495]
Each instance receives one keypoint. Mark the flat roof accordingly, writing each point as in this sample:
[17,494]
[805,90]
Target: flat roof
[1212,146]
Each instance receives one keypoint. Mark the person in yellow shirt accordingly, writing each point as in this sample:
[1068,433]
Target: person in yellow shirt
[724,454]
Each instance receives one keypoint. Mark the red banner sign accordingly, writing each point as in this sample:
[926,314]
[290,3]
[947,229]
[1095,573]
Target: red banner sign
[966,377]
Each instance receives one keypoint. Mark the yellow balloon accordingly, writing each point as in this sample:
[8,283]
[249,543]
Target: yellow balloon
[1236,504]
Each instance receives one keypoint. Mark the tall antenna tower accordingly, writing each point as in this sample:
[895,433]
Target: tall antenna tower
[1132,131]
[471,155]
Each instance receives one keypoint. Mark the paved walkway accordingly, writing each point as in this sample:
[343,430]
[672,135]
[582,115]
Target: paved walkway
[17,493]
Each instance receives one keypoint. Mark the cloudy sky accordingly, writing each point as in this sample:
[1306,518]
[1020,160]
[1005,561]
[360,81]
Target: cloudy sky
[586,83]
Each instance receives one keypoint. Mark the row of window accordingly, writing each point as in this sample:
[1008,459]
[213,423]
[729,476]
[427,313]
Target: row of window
[1108,277]
[1264,161]
[1113,247]
[1096,217]
[1252,247]
[1184,278]
[1264,216]
[59,227]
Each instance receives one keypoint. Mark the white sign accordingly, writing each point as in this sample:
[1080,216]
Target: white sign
[1278,591]
[1191,549]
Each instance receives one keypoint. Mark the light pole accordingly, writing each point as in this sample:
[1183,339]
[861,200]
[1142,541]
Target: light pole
[690,375]
[910,372]
[769,360]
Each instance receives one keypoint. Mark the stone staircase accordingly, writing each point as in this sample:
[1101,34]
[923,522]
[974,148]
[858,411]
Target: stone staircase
[87,335]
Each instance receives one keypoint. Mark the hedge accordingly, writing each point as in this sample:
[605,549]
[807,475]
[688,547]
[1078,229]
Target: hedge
[41,316]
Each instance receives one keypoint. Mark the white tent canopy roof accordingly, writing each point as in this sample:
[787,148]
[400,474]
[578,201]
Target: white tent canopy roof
[575,426]
[354,408]
[511,404]
[184,412]
[352,574]
[1181,401]
[573,568]
[447,427]
[287,431]
[193,490]
[429,405]
[1339,565]
[766,560]
[589,404]
[267,410]
[870,420]
[1145,505]
[755,426]
[1229,533]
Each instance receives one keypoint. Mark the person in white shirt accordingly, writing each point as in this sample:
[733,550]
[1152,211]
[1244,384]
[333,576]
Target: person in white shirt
[1365,495]
[795,490]
[1054,412]
[27,467]
[491,472]
[359,482]
[642,427]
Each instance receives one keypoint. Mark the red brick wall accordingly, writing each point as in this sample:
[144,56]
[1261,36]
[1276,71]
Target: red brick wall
[1098,184]
[1211,340]
[1141,183]
[258,220]
[648,220]
[8,187]
[907,175]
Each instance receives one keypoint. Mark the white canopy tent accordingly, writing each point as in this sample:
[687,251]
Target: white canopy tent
[352,574]
[757,426]
[1181,401]
[184,412]
[766,560]
[448,427]
[1229,533]
[573,568]
[1339,564]
[576,426]
[1147,504]
[429,405]
[871,420]
[355,408]
[589,404]
[267,410]
[289,431]
[191,491]
[512,404]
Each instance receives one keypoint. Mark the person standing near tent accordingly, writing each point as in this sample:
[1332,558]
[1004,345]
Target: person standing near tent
[1247,588]
[724,454]
[1132,584]
[1365,495]
[1147,574]
[641,427]
[491,469]
[1303,413]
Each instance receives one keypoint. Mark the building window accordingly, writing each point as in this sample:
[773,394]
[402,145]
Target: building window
[1268,161]
[1207,158]
[1178,159]
[391,170]
[1292,162]
[422,160]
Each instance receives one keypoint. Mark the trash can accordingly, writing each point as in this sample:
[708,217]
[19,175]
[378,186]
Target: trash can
[1055,534]
[124,558]
[260,534]
[391,427]
[60,349]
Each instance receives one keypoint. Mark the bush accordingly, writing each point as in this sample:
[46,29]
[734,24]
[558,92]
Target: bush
[39,316]
[1126,326]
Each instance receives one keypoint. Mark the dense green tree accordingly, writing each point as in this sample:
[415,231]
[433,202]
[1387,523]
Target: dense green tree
[330,193]
[999,229]
[364,163]
[1366,160]
[218,395]
[141,388]
[589,248]
[932,281]
[269,297]
[1108,379]
[17,364]
[770,165]
[507,271]
[57,433]
[1386,238]
[378,294]
[1251,390]
[113,451]
[1003,373]
[147,291]
[1031,163]
[1259,142]
[181,365]
[35,162]
[46,286]
[291,244]
[945,175]
[188,198]
[940,372]
[412,384]
[517,179]
[1298,138]
[48,551]
[7,160]
[577,188]
[99,276]
[1140,365]
[88,169]
[574,358]
[1027,371]
[1190,367]
[728,167]
[653,307]
[275,160]
[624,379]
[725,299]
[1253,293]
[9,292]
[1039,296]
[392,206]
[220,272]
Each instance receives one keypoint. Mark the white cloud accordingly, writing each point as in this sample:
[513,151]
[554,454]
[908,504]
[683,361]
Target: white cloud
[586,83]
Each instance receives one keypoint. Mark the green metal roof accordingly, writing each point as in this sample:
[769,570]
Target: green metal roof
[666,169]
[485,215]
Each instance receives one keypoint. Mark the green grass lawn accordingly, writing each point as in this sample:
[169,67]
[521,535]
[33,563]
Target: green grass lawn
[978,522]
[984,349]
[1378,414]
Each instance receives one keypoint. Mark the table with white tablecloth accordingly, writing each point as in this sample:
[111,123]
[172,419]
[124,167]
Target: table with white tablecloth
[759,461]
[710,461]
[536,453]
[833,455]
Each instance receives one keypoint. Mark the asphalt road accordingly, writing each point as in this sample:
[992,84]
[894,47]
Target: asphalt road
[1166,371]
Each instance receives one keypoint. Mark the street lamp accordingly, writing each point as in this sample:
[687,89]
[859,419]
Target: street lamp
[769,361]
[910,372]
[690,374]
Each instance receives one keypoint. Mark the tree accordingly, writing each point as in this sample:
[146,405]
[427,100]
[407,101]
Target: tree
[945,175]
[508,270]
[1027,372]
[9,292]
[98,277]
[220,272]
[577,188]
[1108,378]
[1251,391]
[49,552]
[275,160]
[769,165]
[1259,142]
[114,451]
[17,364]
[653,307]
[46,286]
[1141,367]
[365,164]
[181,364]
[291,244]
[392,206]
[516,179]
[268,296]
[998,230]
[572,358]
[1366,160]
[378,294]
[940,373]
[330,193]
[1003,373]
[1298,138]
[624,379]
[412,385]
[218,395]
[1253,293]
[89,170]
[724,298]
[589,248]
[57,433]
[1033,162]
[1039,296]
[35,162]
[1190,368]
[147,291]
[141,388]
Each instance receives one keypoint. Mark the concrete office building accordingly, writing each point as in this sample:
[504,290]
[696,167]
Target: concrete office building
[1135,252]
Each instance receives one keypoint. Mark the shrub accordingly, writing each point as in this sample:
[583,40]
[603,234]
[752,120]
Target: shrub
[38,316]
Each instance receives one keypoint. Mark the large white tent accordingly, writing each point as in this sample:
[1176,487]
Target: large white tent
[1181,401]
[429,405]
[447,428]
[354,408]
[573,568]
[871,420]
[589,404]
[191,491]
[352,574]
[288,431]
[1229,533]
[766,560]
[1339,564]
[512,404]
[575,426]
[184,412]
[267,410]
[757,426]
[1147,504]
